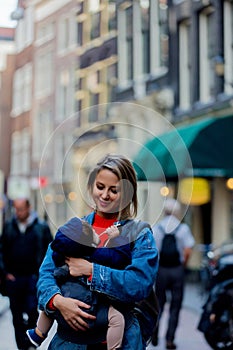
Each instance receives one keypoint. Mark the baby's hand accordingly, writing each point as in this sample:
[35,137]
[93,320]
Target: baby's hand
[212,318]
[112,231]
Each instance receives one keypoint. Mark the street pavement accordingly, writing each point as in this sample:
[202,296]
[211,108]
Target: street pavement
[187,337]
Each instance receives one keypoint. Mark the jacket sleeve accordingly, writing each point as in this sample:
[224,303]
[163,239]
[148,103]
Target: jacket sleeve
[47,236]
[134,283]
[2,269]
[117,254]
[46,285]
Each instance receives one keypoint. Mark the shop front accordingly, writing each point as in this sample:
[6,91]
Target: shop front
[197,161]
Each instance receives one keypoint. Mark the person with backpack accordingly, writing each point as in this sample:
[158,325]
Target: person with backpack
[175,241]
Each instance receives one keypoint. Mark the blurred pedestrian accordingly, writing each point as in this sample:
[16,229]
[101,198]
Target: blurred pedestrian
[174,241]
[23,243]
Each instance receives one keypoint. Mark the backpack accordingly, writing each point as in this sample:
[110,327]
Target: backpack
[146,310]
[169,254]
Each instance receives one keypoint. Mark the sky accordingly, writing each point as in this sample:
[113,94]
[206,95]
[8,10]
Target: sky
[6,7]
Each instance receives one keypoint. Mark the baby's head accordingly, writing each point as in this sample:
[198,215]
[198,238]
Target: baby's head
[79,231]
[89,236]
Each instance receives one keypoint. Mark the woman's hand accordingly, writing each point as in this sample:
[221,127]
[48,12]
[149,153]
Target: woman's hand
[72,312]
[79,267]
[10,277]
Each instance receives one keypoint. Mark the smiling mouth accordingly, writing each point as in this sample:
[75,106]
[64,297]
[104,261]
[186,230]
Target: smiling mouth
[104,204]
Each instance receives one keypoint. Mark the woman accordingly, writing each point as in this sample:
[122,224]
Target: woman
[113,187]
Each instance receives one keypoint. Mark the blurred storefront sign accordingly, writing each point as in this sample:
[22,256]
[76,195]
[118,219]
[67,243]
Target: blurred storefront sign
[38,182]
[194,191]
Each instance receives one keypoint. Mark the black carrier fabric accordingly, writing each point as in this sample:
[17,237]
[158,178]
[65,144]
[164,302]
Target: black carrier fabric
[169,254]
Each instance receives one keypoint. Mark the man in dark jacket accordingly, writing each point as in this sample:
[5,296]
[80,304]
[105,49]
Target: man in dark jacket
[23,244]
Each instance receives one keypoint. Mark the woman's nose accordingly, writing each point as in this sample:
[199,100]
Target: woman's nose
[105,194]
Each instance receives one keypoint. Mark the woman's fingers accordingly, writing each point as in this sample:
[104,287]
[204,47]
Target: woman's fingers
[79,267]
[79,324]
[73,314]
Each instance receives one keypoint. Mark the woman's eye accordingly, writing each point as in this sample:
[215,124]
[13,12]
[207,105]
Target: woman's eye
[115,190]
[100,187]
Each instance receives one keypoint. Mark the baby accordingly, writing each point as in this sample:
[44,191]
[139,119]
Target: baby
[77,238]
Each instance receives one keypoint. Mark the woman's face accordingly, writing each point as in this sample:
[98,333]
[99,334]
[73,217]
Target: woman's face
[106,193]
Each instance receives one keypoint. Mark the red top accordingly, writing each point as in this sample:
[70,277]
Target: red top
[100,224]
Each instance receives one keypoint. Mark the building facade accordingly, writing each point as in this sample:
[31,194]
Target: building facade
[95,75]
[188,79]
[7,62]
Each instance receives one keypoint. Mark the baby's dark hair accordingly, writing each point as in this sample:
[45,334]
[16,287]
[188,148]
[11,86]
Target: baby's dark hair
[86,228]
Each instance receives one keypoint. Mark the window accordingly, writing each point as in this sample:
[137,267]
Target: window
[27,94]
[42,129]
[15,153]
[159,36]
[44,73]
[93,82]
[20,152]
[93,112]
[67,33]
[112,23]
[206,55]
[25,151]
[17,92]
[22,89]
[65,98]
[80,33]
[142,39]
[25,29]
[125,44]
[111,80]
[184,65]
[63,157]
[129,42]
[228,47]
[95,25]
[45,32]
[145,26]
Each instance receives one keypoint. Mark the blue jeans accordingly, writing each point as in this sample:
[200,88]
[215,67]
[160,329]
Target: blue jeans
[132,339]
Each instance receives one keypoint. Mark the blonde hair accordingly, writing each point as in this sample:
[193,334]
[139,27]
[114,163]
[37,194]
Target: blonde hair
[123,169]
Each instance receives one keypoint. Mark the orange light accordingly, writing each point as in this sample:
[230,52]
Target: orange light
[164,191]
[72,196]
[229,183]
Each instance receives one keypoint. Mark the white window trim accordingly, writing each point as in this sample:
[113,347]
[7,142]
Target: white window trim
[203,59]
[184,74]
[228,50]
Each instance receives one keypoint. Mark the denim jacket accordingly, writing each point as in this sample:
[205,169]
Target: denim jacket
[129,285]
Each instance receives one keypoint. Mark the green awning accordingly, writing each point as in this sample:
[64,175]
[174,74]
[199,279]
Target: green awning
[204,149]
